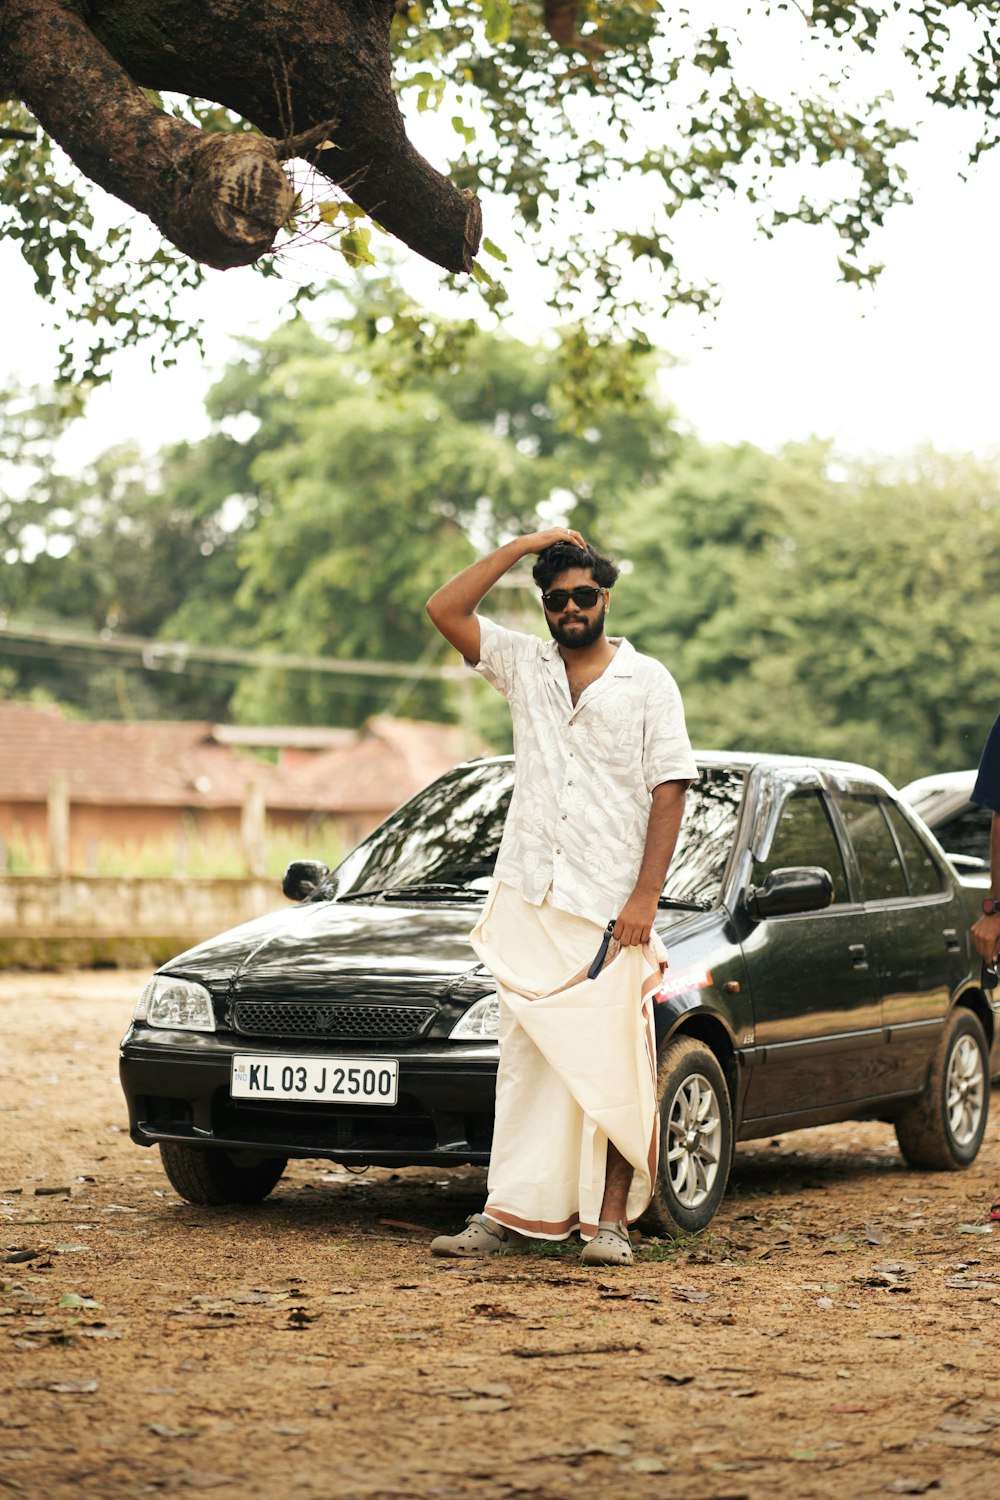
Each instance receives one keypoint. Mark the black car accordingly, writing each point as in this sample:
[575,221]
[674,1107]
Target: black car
[820,970]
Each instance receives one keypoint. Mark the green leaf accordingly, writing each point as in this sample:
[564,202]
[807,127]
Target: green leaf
[467,132]
[497,14]
[494,250]
[355,247]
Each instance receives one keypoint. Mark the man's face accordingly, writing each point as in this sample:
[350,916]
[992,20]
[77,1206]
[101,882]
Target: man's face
[570,624]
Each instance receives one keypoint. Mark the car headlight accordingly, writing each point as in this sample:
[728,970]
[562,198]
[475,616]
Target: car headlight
[481,1022]
[175,1004]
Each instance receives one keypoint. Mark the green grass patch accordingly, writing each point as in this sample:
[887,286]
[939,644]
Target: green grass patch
[189,854]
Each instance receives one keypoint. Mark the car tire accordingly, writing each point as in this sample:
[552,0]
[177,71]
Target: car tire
[943,1127]
[211,1176]
[696,1139]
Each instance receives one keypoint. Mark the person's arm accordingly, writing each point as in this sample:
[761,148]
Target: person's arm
[635,921]
[986,932]
[453,608]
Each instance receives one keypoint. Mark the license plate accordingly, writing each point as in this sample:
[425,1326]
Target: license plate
[316,1080]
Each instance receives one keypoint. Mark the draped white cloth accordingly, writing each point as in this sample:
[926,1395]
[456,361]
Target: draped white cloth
[577,1066]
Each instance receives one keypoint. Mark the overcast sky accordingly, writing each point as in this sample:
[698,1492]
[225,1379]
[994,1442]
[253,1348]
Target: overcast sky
[792,352]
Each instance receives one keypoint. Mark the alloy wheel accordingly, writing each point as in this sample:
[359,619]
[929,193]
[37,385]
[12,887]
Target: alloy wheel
[694,1138]
[965,1091]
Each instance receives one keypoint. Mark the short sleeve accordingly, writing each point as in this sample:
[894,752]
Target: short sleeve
[502,653]
[986,792]
[666,749]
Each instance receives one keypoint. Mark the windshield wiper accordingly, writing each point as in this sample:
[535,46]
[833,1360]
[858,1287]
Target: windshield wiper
[431,888]
[674,903]
[415,892]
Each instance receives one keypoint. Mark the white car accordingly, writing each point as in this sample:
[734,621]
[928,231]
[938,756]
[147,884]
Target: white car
[963,829]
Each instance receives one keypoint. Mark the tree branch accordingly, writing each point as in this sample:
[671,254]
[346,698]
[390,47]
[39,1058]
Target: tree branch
[289,65]
[220,198]
[561,23]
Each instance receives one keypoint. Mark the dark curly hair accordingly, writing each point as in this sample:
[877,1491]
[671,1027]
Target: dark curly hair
[562,555]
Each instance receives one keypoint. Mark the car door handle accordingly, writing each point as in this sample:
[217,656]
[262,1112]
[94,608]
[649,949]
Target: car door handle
[951,943]
[859,955]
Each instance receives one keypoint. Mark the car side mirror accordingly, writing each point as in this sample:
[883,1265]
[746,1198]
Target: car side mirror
[303,878]
[799,888]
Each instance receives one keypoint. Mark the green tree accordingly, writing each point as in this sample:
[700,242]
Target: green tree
[187,109]
[370,488]
[340,486]
[811,606]
[117,549]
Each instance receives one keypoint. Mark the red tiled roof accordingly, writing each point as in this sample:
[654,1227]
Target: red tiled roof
[389,761]
[144,764]
[182,765]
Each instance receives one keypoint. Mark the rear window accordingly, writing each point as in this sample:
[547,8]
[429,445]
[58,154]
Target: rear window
[922,870]
[882,877]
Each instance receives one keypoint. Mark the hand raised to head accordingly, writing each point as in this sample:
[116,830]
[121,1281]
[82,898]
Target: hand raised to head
[537,541]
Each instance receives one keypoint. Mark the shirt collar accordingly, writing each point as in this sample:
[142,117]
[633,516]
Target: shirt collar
[623,664]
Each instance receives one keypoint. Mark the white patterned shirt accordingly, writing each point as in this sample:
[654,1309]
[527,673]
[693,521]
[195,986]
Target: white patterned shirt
[584,774]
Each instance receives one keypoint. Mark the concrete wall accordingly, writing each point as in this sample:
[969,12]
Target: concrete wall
[172,835]
[51,921]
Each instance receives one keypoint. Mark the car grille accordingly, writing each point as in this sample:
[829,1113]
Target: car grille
[405,1127]
[318,1019]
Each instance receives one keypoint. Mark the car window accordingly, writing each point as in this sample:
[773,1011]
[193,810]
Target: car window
[882,876]
[706,836]
[923,873]
[967,832]
[450,832]
[805,836]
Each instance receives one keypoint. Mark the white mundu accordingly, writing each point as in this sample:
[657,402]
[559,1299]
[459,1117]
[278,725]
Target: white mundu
[578,1066]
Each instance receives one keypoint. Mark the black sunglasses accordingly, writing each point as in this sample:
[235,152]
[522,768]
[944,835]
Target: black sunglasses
[584,597]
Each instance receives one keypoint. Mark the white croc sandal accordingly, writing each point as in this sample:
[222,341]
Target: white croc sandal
[481,1236]
[610,1246]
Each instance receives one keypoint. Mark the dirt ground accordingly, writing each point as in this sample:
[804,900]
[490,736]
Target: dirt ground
[833,1334]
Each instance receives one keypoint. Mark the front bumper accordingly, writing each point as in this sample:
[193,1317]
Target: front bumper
[176,1085]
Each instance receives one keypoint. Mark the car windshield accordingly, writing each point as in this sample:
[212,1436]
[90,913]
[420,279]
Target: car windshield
[448,836]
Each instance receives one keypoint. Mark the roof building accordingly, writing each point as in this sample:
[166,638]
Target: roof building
[71,790]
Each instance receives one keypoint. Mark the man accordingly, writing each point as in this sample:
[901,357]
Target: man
[986,793]
[602,764]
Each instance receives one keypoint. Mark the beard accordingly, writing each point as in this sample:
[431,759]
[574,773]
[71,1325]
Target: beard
[573,636]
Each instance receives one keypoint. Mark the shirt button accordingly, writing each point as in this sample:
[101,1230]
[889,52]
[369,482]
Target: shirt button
[564,819]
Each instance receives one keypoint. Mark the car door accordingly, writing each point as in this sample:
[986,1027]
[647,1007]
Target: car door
[917,923]
[815,1001]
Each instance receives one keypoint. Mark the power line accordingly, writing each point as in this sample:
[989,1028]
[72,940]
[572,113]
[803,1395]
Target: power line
[173,656]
